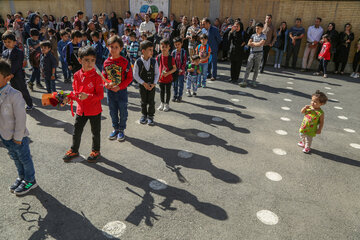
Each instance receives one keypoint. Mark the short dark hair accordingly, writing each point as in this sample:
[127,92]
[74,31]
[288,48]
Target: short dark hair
[321,96]
[68,30]
[132,34]
[63,33]
[8,35]
[269,15]
[194,57]
[87,51]
[127,30]
[327,36]
[76,34]
[51,30]
[143,35]
[207,20]
[5,67]
[83,33]
[79,13]
[146,44]
[115,39]
[298,19]
[45,44]
[319,18]
[128,12]
[259,24]
[113,30]
[165,41]
[95,34]
[177,39]
[203,36]
[34,32]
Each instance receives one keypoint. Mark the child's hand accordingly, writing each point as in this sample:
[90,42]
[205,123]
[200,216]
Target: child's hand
[146,86]
[17,142]
[318,131]
[152,86]
[115,88]
[83,96]
[66,101]
[70,68]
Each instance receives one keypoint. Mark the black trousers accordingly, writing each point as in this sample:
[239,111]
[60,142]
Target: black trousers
[292,51]
[147,101]
[165,89]
[235,69]
[265,56]
[21,87]
[356,61]
[323,65]
[80,122]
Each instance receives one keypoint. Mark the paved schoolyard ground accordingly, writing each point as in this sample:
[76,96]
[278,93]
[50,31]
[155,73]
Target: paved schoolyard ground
[224,165]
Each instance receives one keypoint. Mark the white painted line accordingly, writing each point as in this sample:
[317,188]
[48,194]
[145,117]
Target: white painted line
[223,74]
[285,108]
[279,151]
[290,83]
[349,130]
[158,184]
[281,132]
[337,107]
[355,145]
[285,119]
[203,135]
[235,100]
[328,88]
[273,176]
[287,100]
[343,117]
[267,217]
[114,229]
[184,154]
[291,88]
[228,108]
[330,93]
[217,119]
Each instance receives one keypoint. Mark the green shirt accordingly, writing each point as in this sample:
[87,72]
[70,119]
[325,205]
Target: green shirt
[310,122]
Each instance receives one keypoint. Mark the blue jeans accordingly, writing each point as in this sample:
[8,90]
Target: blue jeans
[192,82]
[65,70]
[203,74]
[118,102]
[50,85]
[213,65]
[178,85]
[35,75]
[278,55]
[22,158]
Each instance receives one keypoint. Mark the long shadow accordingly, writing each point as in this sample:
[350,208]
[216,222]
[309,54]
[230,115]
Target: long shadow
[171,193]
[60,222]
[220,101]
[191,135]
[234,92]
[304,79]
[207,119]
[336,158]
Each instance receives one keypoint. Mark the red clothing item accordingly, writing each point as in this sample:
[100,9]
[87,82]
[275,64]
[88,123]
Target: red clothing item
[325,51]
[115,70]
[90,83]
[181,65]
[163,66]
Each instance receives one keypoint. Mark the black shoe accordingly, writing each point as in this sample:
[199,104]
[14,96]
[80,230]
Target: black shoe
[143,120]
[261,71]
[179,99]
[194,94]
[150,121]
[15,185]
[174,99]
[25,187]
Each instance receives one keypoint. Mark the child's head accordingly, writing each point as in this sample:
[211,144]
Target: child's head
[51,32]
[68,30]
[45,47]
[84,36]
[132,36]
[318,99]
[143,37]
[95,36]
[5,72]
[127,31]
[34,34]
[147,49]
[87,58]
[203,39]
[165,46]
[64,35]
[9,39]
[80,14]
[112,32]
[120,20]
[195,59]
[178,43]
[326,38]
[259,27]
[76,36]
[115,45]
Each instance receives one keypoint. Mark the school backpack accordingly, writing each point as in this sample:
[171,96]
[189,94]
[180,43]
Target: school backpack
[34,57]
[182,54]
[207,51]
[158,59]
[64,50]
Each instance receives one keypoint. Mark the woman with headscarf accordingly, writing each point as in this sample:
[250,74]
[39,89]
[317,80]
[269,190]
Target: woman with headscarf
[334,39]
[343,49]
[225,44]
[65,23]
[34,22]
[237,41]
[281,43]
[113,21]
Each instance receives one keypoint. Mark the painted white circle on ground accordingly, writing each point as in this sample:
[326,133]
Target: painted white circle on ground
[290,78]
[290,83]
[281,132]
[114,229]
[328,88]
[267,217]
[349,130]
[330,93]
[279,151]
[203,135]
[337,107]
[184,154]
[242,93]
[285,108]
[355,145]
[158,184]
[287,100]
[343,117]
[235,100]
[228,108]
[273,176]
[291,88]
[334,100]
[217,119]
[285,119]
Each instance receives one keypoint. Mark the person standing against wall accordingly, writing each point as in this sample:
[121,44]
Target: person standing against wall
[270,33]
[296,33]
[343,49]
[237,42]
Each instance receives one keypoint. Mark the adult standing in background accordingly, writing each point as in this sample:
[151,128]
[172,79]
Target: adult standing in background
[314,34]
[250,30]
[128,19]
[343,49]
[182,28]
[296,33]
[148,28]
[174,24]
[270,33]
[214,42]
[237,42]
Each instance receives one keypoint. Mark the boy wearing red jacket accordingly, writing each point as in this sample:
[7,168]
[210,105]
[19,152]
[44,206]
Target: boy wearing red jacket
[118,75]
[324,56]
[88,91]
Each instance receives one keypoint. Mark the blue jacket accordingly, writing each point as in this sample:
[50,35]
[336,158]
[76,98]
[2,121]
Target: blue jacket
[61,45]
[99,54]
[16,57]
[214,39]
[29,25]
[47,63]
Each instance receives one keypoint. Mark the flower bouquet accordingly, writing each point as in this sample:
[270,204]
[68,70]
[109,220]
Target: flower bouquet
[57,99]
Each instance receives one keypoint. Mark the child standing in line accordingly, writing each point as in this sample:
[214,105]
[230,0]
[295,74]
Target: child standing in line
[133,48]
[118,75]
[13,132]
[88,91]
[179,54]
[99,48]
[16,58]
[84,39]
[53,42]
[324,56]
[166,67]
[204,51]
[61,44]
[313,121]
[34,53]
[48,66]
[194,70]
[146,73]
[71,53]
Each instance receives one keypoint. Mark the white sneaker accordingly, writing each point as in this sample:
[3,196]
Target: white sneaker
[275,66]
[353,74]
[161,107]
[357,75]
[279,66]
[166,108]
